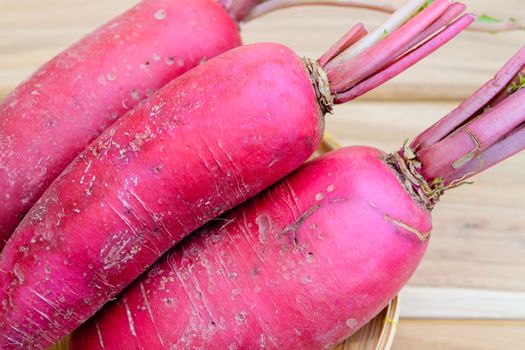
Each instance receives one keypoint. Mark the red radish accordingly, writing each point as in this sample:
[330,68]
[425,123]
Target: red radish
[54,115]
[311,260]
[204,143]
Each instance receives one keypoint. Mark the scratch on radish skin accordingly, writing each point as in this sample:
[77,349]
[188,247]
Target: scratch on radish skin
[98,276]
[224,269]
[130,318]
[237,173]
[43,314]
[150,313]
[99,333]
[183,285]
[25,337]
[12,341]
[219,164]
[204,302]
[113,257]
[285,201]
[226,222]
[42,333]
[44,299]
[154,217]
[86,171]
[292,193]
[246,233]
[292,228]
[422,236]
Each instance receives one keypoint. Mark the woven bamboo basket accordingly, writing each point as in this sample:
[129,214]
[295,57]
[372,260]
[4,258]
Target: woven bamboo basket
[378,334]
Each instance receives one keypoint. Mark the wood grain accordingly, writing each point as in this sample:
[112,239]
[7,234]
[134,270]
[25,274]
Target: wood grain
[461,303]
[478,243]
[459,335]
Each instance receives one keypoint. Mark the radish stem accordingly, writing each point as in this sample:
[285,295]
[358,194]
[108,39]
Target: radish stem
[484,130]
[394,22]
[389,50]
[357,32]
[450,155]
[406,61]
[474,104]
[503,149]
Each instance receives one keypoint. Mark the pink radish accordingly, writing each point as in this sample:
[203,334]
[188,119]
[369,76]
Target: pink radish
[54,115]
[204,143]
[311,260]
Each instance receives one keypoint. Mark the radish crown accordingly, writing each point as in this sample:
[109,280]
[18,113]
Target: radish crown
[359,62]
[484,130]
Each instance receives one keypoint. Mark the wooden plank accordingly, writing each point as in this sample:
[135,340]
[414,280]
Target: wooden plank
[461,303]
[32,31]
[459,335]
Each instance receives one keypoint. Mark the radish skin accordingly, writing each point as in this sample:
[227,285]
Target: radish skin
[301,266]
[201,145]
[51,117]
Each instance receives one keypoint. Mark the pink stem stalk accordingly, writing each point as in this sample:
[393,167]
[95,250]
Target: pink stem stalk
[356,33]
[376,58]
[471,140]
[503,149]
[406,61]
[505,92]
[396,20]
[473,137]
[473,104]
[453,11]
[344,72]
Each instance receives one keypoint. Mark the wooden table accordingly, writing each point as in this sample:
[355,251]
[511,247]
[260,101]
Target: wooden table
[469,293]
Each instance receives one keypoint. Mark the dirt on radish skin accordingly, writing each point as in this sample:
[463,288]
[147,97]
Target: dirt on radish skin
[192,151]
[301,266]
[50,118]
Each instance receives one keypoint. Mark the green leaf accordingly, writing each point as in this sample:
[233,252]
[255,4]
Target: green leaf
[515,86]
[425,5]
[438,181]
[488,19]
